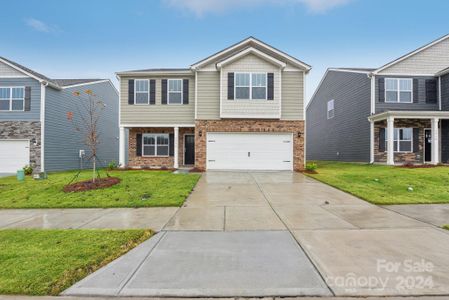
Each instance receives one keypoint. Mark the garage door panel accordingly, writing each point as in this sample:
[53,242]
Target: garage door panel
[14,155]
[249,151]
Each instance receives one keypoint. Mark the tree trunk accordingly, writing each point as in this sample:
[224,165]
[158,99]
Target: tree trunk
[93,170]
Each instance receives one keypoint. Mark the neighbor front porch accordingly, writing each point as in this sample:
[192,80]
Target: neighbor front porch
[400,137]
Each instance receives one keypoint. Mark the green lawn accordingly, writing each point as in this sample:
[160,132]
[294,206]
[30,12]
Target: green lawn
[380,184]
[138,188]
[45,262]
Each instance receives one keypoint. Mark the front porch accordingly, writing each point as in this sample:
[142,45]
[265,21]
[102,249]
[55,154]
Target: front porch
[399,137]
[157,147]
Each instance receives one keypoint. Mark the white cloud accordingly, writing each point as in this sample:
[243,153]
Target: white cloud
[202,7]
[40,26]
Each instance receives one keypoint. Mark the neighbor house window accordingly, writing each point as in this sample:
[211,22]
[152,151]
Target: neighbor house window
[174,91]
[155,144]
[398,90]
[250,86]
[12,98]
[330,109]
[142,91]
[403,139]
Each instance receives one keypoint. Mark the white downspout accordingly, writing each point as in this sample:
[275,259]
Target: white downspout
[42,115]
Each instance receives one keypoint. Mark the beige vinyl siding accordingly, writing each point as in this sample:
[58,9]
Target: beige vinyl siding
[428,61]
[208,96]
[250,108]
[157,113]
[7,71]
[292,95]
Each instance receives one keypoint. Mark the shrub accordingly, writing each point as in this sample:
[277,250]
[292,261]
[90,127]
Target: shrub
[28,170]
[311,167]
[112,165]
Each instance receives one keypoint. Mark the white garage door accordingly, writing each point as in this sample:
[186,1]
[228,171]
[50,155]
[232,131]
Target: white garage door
[14,155]
[249,151]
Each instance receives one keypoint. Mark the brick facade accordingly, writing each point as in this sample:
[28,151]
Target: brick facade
[233,125]
[135,161]
[25,130]
[409,157]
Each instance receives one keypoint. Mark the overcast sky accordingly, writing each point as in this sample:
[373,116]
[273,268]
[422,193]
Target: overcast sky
[95,38]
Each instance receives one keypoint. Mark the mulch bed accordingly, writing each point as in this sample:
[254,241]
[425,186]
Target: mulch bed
[310,171]
[100,183]
[411,166]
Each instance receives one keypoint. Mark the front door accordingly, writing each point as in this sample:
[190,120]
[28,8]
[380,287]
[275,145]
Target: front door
[427,145]
[189,149]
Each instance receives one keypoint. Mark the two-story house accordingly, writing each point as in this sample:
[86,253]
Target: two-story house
[240,108]
[39,117]
[395,114]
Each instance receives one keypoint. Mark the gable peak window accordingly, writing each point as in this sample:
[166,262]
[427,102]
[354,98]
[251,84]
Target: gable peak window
[174,91]
[250,86]
[142,91]
[398,90]
[330,109]
[12,98]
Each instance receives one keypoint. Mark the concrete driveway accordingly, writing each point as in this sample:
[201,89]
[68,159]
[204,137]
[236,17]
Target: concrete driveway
[279,234]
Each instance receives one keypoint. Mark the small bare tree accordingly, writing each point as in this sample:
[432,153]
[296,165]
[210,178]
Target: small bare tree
[89,114]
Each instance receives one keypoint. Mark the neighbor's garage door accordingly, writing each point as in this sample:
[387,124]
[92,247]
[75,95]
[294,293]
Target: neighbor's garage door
[14,155]
[249,151]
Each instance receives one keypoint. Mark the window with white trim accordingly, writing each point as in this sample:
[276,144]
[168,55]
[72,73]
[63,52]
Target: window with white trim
[250,86]
[398,90]
[142,91]
[402,141]
[174,91]
[330,109]
[12,98]
[155,144]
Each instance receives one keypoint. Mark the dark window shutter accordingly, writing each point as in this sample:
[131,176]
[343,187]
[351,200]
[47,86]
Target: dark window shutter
[164,91]
[415,90]
[131,91]
[381,88]
[152,91]
[27,104]
[381,139]
[431,91]
[185,91]
[415,140]
[230,86]
[139,144]
[270,86]
[171,144]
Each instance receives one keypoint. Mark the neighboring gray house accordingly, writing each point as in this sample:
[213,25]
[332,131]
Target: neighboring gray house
[39,115]
[397,113]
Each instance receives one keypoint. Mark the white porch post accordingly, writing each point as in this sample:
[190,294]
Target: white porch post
[390,140]
[122,147]
[435,142]
[176,152]
[371,154]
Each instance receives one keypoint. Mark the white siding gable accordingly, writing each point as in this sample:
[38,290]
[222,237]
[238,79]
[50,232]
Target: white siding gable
[7,71]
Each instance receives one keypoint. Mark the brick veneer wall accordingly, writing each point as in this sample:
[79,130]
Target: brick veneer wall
[25,130]
[135,161]
[232,125]
[417,157]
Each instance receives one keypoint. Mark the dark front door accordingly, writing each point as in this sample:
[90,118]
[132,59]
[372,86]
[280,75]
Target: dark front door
[189,149]
[427,145]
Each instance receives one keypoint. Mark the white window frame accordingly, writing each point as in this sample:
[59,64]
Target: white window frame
[168,91]
[11,98]
[331,110]
[135,92]
[155,135]
[251,85]
[398,90]
[398,141]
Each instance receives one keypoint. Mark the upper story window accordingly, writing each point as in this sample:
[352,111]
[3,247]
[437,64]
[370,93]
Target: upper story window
[142,91]
[155,144]
[174,91]
[402,141]
[251,86]
[330,109]
[12,98]
[398,90]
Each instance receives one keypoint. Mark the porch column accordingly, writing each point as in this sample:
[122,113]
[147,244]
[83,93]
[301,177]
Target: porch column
[435,142]
[390,141]
[175,153]
[122,147]
[371,154]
